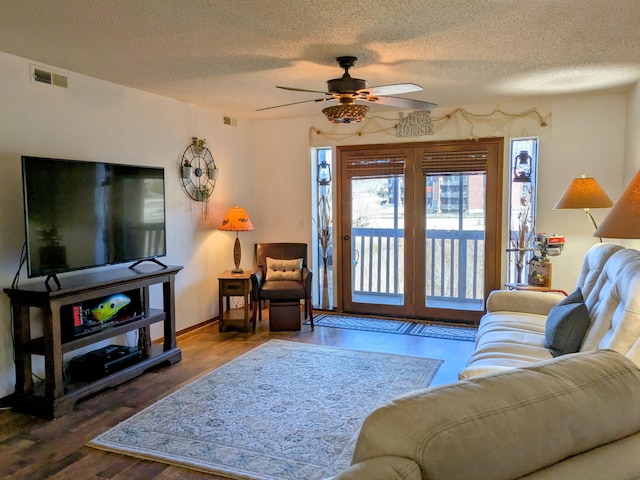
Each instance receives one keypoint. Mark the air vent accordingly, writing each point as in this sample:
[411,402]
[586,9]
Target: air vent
[50,78]
[60,80]
[42,76]
[229,121]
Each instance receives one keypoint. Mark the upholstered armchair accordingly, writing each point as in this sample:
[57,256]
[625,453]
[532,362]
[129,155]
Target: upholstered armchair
[283,275]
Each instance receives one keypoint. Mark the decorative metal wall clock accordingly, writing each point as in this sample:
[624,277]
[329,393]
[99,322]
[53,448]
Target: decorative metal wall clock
[198,170]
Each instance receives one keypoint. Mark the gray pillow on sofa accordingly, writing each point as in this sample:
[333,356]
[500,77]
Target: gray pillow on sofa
[566,325]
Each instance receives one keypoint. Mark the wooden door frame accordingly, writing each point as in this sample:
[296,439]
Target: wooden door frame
[493,231]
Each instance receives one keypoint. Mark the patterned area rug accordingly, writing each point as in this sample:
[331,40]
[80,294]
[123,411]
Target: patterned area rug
[419,329]
[284,410]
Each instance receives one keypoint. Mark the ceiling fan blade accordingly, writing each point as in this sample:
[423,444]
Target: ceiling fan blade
[294,103]
[402,102]
[391,89]
[302,90]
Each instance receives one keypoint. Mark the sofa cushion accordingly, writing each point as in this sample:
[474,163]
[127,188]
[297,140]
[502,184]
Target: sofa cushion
[614,306]
[594,262]
[281,269]
[507,340]
[566,325]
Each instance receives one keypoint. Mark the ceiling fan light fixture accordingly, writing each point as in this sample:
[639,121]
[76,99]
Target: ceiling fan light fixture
[346,90]
[349,113]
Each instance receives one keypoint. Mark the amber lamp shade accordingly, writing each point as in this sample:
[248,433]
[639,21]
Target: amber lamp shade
[585,193]
[236,220]
[622,220]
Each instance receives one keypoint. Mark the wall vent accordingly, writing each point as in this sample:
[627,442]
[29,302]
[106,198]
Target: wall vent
[229,121]
[40,75]
[60,80]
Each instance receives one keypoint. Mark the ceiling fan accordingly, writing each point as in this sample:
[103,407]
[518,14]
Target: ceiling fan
[346,90]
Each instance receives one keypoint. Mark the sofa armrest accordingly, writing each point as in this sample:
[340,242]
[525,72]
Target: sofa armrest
[382,468]
[522,301]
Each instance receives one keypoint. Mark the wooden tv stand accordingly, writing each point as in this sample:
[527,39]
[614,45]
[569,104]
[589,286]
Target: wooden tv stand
[57,395]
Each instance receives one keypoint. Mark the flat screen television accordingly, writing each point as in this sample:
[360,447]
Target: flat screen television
[81,214]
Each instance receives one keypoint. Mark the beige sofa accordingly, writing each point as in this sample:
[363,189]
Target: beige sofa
[572,417]
[512,332]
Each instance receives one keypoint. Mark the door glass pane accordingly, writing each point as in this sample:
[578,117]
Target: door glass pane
[377,240]
[454,247]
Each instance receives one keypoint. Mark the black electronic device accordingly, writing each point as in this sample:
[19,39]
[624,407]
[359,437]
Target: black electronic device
[81,214]
[103,361]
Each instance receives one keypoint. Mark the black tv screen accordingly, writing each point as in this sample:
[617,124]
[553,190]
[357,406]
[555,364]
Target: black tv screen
[81,214]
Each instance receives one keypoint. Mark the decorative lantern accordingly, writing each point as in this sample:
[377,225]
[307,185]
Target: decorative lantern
[522,167]
[324,173]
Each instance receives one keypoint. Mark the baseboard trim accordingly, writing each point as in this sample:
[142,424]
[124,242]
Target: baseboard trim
[195,327]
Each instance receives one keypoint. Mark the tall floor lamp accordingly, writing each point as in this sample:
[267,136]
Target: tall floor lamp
[236,220]
[585,193]
[622,220]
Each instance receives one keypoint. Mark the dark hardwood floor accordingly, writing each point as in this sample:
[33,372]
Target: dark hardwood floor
[32,448]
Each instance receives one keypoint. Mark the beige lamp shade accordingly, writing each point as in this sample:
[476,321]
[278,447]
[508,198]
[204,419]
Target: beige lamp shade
[236,220]
[622,220]
[583,192]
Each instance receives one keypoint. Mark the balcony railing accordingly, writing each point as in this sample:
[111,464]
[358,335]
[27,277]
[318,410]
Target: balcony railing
[454,266]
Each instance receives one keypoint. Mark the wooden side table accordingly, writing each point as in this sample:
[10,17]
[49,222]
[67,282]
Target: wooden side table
[236,285]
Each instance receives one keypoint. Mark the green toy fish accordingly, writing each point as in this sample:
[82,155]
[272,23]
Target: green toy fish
[107,309]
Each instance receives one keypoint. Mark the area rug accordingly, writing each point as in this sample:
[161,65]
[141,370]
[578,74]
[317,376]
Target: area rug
[284,410]
[419,329]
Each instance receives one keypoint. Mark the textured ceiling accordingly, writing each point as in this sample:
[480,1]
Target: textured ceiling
[230,54]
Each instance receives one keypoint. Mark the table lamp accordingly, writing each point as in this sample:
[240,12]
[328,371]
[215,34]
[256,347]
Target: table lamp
[621,222]
[236,220]
[585,193]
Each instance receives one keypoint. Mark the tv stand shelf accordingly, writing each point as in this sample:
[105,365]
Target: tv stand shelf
[36,345]
[57,395]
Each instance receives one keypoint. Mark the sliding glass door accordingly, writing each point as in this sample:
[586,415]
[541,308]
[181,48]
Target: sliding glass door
[419,229]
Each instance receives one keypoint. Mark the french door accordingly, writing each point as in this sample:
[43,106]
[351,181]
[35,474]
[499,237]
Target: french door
[419,228]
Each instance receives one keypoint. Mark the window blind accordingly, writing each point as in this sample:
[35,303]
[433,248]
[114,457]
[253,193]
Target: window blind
[375,166]
[454,162]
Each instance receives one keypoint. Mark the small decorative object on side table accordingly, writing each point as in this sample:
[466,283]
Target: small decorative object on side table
[236,285]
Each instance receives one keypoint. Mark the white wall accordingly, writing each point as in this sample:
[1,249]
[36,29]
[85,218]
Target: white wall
[585,135]
[632,139]
[265,167]
[587,138]
[100,121]
[282,176]
[632,147]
